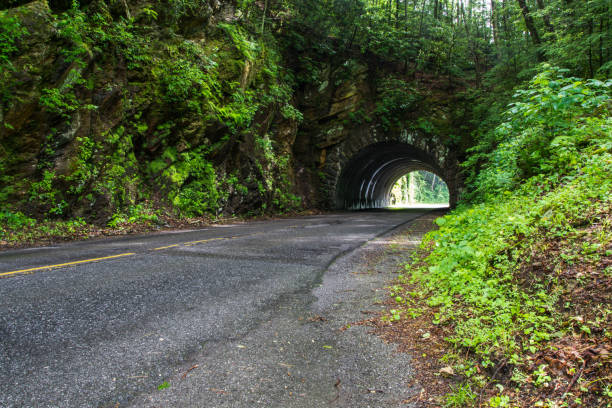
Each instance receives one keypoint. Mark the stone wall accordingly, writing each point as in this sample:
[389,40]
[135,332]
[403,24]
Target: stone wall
[335,132]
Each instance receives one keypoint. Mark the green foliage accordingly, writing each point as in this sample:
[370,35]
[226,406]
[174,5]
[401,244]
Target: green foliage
[190,180]
[58,102]
[84,170]
[45,193]
[6,180]
[234,183]
[194,81]
[117,170]
[546,127]
[185,81]
[274,171]
[460,396]
[420,187]
[135,214]
[216,87]
[17,220]
[249,49]
[396,98]
[18,228]
[550,173]
[580,36]
[106,169]
[11,31]
[199,194]
[73,27]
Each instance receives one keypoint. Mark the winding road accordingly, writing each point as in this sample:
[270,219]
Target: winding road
[238,315]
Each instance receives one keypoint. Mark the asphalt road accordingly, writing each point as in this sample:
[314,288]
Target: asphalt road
[237,315]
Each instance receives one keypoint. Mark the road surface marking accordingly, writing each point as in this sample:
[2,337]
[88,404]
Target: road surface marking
[203,240]
[66,264]
[165,247]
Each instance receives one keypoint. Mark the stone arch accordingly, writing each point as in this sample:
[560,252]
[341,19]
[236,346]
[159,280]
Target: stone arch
[361,170]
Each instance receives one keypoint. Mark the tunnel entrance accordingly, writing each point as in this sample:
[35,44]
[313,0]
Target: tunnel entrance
[419,189]
[368,178]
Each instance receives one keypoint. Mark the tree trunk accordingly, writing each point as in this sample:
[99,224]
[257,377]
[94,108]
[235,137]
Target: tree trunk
[494,24]
[263,17]
[472,47]
[591,71]
[449,58]
[533,31]
[545,17]
[505,17]
[412,188]
[422,17]
[601,46]
[397,11]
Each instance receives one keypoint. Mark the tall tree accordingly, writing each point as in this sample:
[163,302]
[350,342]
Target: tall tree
[545,16]
[531,27]
[529,23]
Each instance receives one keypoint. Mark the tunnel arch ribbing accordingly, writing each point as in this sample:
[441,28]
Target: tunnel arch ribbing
[368,177]
[363,167]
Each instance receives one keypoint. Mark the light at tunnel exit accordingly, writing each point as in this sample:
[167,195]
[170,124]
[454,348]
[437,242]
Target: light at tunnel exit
[368,176]
[419,189]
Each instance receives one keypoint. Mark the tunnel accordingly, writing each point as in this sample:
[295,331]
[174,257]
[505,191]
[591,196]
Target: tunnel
[368,177]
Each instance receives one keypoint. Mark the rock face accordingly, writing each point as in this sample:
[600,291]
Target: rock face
[171,108]
[371,128]
[107,107]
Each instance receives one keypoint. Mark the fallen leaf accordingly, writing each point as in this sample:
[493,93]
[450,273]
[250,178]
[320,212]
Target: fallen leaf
[447,371]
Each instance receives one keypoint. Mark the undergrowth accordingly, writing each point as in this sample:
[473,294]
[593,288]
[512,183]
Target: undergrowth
[520,281]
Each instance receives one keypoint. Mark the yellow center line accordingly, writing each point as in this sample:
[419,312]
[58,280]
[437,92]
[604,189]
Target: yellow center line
[66,264]
[166,247]
[203,240]
[39,268]
[190,243]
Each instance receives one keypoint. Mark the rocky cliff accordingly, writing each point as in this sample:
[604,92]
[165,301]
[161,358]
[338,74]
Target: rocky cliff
[107,106]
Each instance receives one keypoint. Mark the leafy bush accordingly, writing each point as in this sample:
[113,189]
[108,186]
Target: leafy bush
[395,100]
[546,128]
[200,195]
[183,80]
[15,220]
[241,41]
[136,214]
[46,194]
[59,102]
[18,228]
[550,175]
[190,180]
[11,31]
